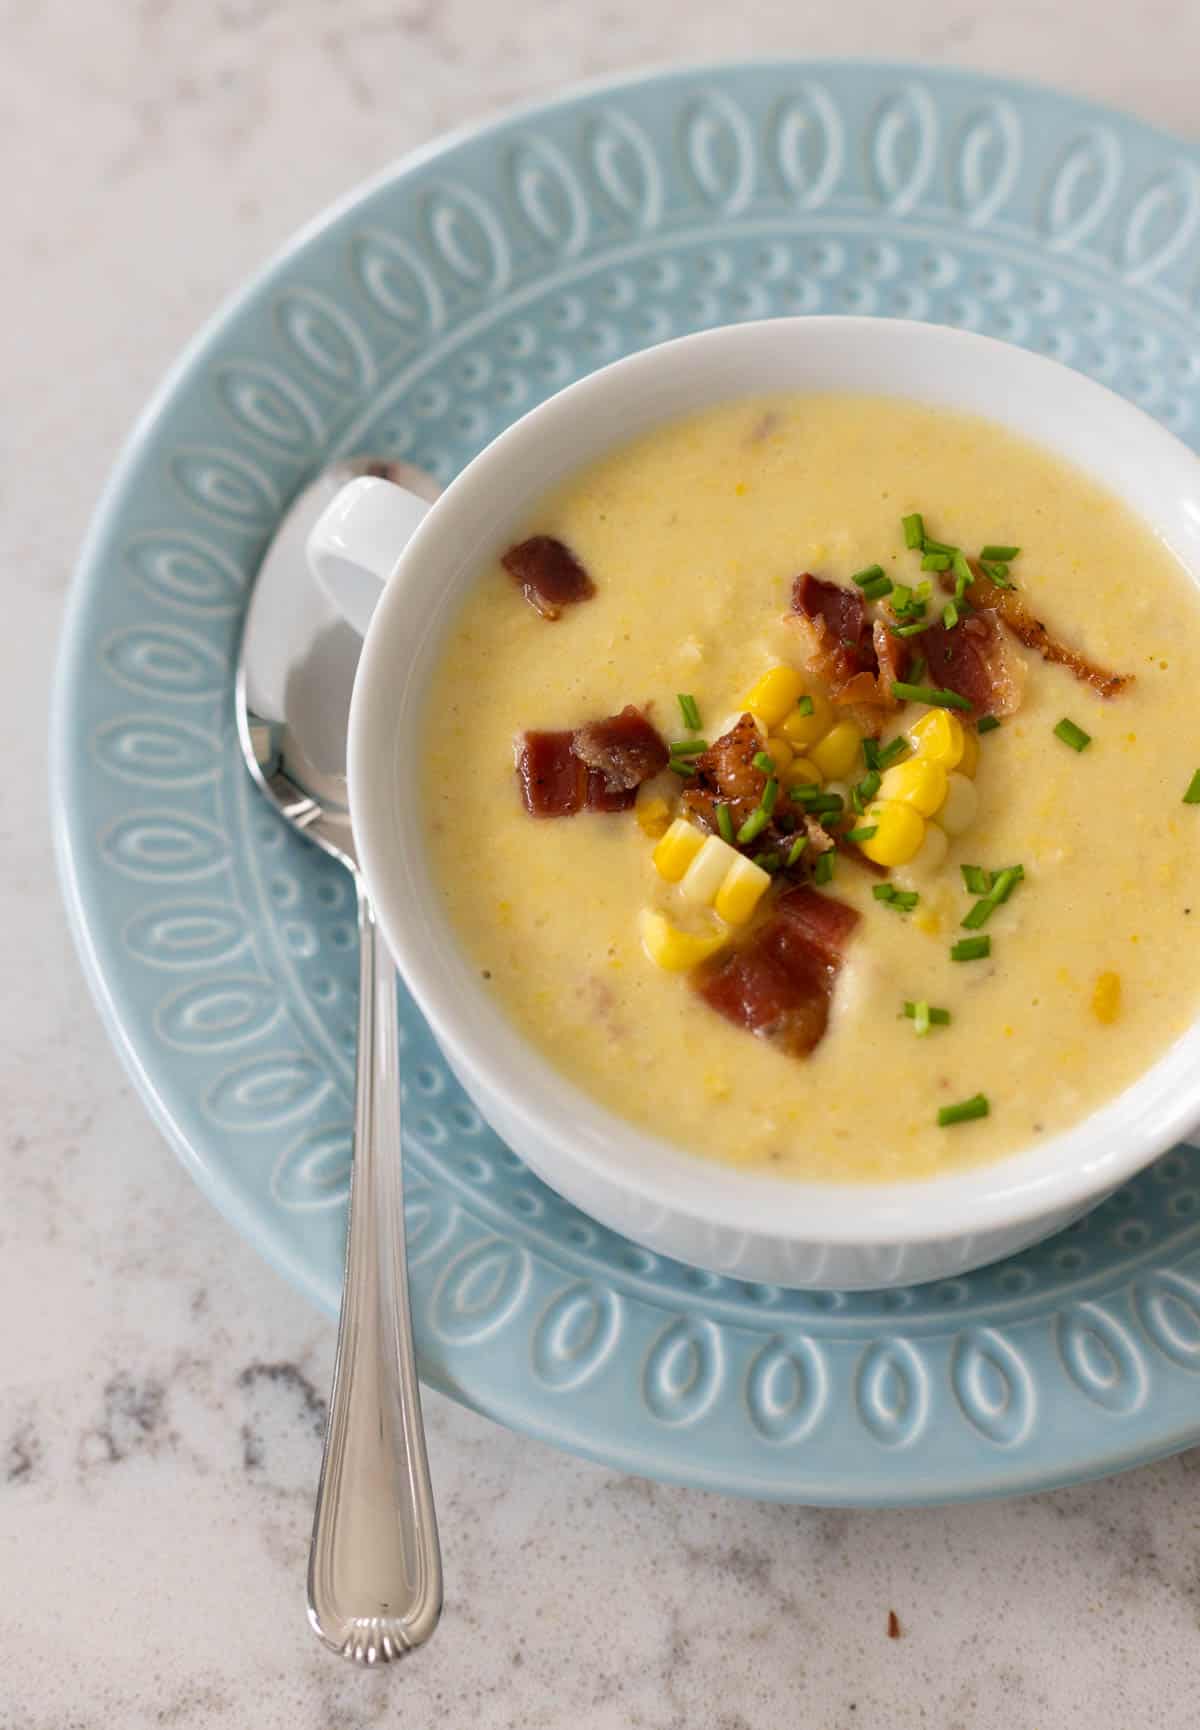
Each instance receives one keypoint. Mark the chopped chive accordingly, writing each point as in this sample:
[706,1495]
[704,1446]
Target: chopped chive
[883,891]
[980,914]
[769,862]
[997,574]
[937,1017]
[917,671]
[679,767]
[961,585]
[1192,796]
[921,1018]
[754,825]
[823,869]
[806,793]
[861,578]
[863,834]
[1000,888]
[902,900]
[936,562]
[1006,881]
[971,949]
[912,630]
[1072,735]
[870,750]
[903,599]
[928,694]
[962,570]
[865,790]
[923,591]
[689,711]
[977,880]
[914,530]
[770,794]
[804,706]
[725,823]
[929,545]
[989,723]
[892,752]
[688,747]
[950,615]
[763,760]
[964,1112]
[876,589]
[794,852]
[999,555]
[826,805]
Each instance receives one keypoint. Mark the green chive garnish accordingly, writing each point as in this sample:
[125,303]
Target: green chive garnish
[679,767]
[1192,796]
[989,723]
[999,555]
[820,804]
[770,794]
[917,671]
[934,1017]
[980,914]
[863,834]
[903,599]
[769,862]
[1006,881]
[689,711]
[921,1018]
[871,574]
[876,588]
[923,591]
[936,562]
[870,748]
[797,847]
[928,694]
[823,869]
[804,706]
[977,880]
[932,546]
[764,761]
[902,900]
[962,569]
[1072,735]
[911,630]
[971,949]
[688,747]
[892,753]
[914,530]
[950,615]
[964,1112]
[725,823]
[804,795]
[866,789]
[997,574]
[754,825]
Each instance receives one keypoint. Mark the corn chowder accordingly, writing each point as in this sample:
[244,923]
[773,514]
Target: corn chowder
[831,787]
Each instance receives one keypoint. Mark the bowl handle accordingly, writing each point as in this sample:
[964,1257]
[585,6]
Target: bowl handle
[356,543]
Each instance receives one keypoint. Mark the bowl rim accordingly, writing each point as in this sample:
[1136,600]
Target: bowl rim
[1068,1170]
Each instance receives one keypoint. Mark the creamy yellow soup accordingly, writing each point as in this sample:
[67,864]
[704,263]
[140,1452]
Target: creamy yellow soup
[693,536]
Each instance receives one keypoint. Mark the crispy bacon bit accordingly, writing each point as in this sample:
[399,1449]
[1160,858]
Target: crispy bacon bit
[726,773]
[840,636]
[549,574]
[893,1625]
[974,660]
[625,749]
[598,767]
[1009,605]
[779,984]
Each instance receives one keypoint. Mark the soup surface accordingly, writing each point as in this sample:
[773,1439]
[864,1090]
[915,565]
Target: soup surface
[693,538]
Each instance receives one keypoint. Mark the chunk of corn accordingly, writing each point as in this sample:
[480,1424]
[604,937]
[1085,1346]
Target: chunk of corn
[777,692]
[939,737]
[839,752]
[741,891]
[804,730]
[1106,997]
[676,950]
[653,816]
[969,761]
[780,752]
[802,772]
[921,783]
[678,847]
[962,802]
[706,872]
[899,832]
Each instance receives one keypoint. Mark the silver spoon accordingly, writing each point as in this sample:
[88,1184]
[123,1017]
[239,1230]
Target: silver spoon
[375,1566]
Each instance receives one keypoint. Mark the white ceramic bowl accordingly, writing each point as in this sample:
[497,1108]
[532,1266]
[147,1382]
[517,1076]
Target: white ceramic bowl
[754,1226]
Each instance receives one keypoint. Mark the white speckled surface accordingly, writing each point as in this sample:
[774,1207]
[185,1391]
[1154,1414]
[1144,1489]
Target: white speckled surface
[160,1390]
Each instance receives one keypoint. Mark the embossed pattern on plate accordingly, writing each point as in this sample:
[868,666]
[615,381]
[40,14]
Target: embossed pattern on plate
[420,319]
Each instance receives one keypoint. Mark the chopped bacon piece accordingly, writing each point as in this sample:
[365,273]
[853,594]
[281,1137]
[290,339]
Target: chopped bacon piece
[624,749]
[974,660]
[549,574]
[559,778]
[894,656]
[779,984]
[840,637]
[1009,605]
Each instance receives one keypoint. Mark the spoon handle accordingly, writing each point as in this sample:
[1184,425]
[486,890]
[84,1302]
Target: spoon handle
[375,1568]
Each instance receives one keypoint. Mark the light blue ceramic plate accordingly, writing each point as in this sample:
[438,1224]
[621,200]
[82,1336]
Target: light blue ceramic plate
[419,319]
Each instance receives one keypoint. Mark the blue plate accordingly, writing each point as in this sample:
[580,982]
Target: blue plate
[419,319]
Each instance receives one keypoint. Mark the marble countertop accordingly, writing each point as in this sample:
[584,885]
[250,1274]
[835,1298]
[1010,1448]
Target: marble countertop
[161,1391]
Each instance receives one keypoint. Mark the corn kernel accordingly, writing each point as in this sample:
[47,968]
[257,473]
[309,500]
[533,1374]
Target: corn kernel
[839,751]
[802,772]
[920,782]
[653,816]
[780,752]
[675,950]
[969,761]
[706,872]
[678,847]
[1106,998]
[962,803]
[741,891]
[804,730]
[772,696]
[899,832]
[939,736]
